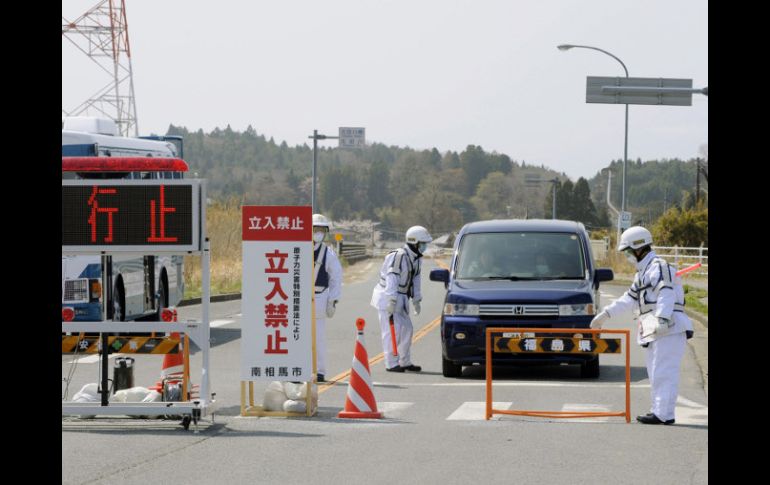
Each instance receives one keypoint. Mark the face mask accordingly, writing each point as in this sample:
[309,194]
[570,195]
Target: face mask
[319,236]
[422,247]
[630,256]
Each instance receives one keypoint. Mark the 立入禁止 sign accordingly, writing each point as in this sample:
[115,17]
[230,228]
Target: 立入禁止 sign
[277,292]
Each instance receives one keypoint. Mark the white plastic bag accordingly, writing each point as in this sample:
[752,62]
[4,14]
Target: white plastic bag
[274,398]
[135,394]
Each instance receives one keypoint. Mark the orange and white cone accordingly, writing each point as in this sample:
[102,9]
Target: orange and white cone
[360,402]
[173,364]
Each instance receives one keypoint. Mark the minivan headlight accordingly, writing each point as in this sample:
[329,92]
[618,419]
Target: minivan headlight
[461,309]
[578,309]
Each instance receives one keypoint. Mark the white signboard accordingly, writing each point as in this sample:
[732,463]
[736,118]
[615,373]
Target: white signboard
[625,220]
[277,324]
[352,137]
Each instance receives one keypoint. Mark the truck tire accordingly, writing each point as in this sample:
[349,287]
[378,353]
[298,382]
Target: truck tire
[590,368]
[118,303]
[162,300]
[450,369]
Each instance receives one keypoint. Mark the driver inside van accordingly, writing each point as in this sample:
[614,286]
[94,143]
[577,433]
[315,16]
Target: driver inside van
[485,265]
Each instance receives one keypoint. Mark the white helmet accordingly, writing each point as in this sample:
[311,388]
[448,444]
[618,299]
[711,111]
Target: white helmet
[319,220]
[634,237]
[417,234]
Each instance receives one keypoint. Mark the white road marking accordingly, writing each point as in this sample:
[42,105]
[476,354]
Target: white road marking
[393,410]
[587,408]
[219,323]
[514,384]
[691,412]
[476,410]
[94,358]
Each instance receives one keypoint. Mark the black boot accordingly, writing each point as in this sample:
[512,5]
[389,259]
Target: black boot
[413,368]
[652,419]
[397,368]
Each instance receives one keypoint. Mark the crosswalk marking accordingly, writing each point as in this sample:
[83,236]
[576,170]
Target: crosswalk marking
[476,411]
[691,412]
[587,408]
[219,323]
[497,384]
[393,410]
[92,359]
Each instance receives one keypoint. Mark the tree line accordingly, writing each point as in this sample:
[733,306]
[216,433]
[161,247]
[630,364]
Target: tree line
[400,186]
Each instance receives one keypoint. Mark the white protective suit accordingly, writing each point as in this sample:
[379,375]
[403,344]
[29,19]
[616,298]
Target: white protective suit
[657,292]
[399,277]
[328,288]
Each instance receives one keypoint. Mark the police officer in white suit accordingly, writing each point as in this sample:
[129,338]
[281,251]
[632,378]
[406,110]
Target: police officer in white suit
[664,327]
[328,287]
[399,282]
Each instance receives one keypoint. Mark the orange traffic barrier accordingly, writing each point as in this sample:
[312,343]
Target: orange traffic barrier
[360,402]
[688,269]
[558,414]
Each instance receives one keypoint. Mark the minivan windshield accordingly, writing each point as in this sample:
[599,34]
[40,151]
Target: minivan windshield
[520,256]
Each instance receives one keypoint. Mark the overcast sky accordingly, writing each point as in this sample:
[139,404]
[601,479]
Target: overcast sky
[417,73]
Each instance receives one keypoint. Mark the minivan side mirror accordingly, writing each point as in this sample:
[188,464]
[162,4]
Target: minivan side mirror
[440,275]
[604,274]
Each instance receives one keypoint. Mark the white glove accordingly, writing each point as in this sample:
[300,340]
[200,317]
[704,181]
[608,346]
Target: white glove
[599,320]
[331,307]
[391,308]
[664,325]
[416,304]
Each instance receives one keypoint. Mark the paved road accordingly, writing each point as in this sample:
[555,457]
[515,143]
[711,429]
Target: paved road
[433,431]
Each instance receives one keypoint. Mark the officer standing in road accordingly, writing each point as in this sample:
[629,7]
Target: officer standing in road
[664,327]
[400,281]
[328,287]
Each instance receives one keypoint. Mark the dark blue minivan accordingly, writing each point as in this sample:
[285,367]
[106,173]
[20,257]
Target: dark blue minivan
[517,273]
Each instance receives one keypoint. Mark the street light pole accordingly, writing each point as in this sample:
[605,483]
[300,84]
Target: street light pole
[565,47]
[554,181]
[315,136]
[315,162]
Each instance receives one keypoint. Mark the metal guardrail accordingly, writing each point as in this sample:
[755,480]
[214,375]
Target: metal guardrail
[681,256]
[685,256]
[353,251]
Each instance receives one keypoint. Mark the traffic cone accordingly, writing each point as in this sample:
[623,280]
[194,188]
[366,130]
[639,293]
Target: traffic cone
[172,369]
[360,402]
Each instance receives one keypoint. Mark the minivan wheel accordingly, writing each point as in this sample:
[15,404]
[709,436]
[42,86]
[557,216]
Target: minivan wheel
[450,369]
[590,368]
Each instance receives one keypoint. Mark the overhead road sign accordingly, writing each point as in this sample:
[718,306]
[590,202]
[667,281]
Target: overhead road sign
[640,90]
[352,137]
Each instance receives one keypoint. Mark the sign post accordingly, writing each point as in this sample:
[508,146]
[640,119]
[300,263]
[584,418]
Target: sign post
[278,326]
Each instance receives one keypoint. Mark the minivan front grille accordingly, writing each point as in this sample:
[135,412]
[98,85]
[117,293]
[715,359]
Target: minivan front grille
[513,310]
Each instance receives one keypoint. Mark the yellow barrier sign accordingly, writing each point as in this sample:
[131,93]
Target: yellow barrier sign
[557,345]
[124,345]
